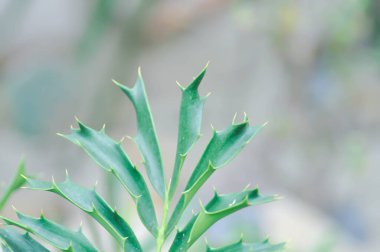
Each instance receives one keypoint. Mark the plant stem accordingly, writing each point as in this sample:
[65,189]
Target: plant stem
[161,232]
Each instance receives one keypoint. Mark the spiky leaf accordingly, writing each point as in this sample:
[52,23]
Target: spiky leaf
[16,183]
[146,138]
[15,242]
[240,246]
[111,157]
[222,148]
[93,204]
[219,207]
[53,233]
[190,120]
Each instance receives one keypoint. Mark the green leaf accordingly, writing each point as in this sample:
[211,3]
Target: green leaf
[146,138]
[90,202]
[16,183]
[219,207]
[53,233]
[222,148]
[5,248]
[240,246]
[109,155]
[223,205]
[14,241]
[190,120]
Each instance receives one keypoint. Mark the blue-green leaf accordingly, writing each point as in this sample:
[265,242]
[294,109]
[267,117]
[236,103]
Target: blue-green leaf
[16,242]
[222,148]
[219,207]
[53,233]
[5,248]
[111,157]
[240,246]
[146,138]
[16,183]
[223,205]
[90,202]
[190,120]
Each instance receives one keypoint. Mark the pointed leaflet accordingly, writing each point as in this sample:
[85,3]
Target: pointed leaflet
[94,205]
[16,183]
[146,138]
[14,241]
[240,246]
[110,156]
[219,207]
[53,233]
[190,120]
[222,148]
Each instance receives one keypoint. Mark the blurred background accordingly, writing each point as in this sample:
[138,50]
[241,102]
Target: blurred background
[310,68]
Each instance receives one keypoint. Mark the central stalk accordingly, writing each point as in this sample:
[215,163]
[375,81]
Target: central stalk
[161,232]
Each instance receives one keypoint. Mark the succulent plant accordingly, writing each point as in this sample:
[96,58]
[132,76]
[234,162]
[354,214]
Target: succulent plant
[223,146]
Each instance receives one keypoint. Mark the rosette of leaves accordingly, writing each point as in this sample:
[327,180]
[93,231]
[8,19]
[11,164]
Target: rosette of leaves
[108,154]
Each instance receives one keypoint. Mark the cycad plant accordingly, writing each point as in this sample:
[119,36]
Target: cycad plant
[223,146]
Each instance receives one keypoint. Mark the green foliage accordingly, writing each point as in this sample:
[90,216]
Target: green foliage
[91,203]
[189,126]
[223,146]
[14,241]
[146,138]
[110,156]
[15,184]
[219,207]
[241,246]
[57,235]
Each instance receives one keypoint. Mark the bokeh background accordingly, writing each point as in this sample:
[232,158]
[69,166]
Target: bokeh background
[310,68]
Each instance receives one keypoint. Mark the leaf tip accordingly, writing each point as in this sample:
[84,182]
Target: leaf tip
[63,135]
[67,175]
[95,185]
[14,208]
[241,237]
[80,227]
[246,188]
[123,88]
[206,242]
[117,83]
[213,129]
[77,119]
[103,129]
[81,125]
[245,117]
[180,86]
[193,212]
[214,190]
[24,177]
[42,214]
[122,140]
[207,64]
[204,98]
[234,118]
[139,71]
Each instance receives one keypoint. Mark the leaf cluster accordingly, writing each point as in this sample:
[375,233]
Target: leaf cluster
[108,154]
